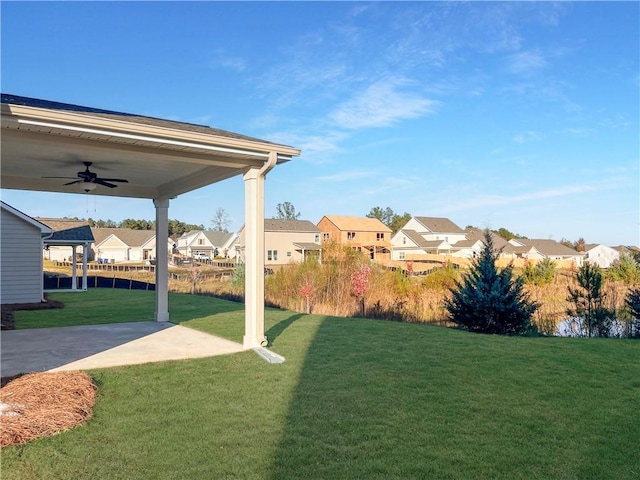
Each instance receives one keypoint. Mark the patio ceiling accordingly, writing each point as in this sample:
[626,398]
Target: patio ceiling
[160,159]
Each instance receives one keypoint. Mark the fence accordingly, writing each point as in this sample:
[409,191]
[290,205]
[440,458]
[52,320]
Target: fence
[66,283]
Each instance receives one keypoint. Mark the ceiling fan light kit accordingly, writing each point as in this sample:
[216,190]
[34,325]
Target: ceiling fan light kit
[90,179]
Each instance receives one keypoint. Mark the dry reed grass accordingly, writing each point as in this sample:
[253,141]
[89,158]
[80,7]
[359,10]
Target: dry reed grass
[391,295]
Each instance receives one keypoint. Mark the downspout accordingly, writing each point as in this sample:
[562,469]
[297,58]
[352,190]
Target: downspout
[254,179]
[271,162]
[44,237]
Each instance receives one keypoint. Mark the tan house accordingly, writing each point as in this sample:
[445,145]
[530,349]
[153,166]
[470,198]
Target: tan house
[368,235]
[114,245]
[539,249]
[286,241]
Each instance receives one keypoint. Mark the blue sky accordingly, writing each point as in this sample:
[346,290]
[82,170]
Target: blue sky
[521,115]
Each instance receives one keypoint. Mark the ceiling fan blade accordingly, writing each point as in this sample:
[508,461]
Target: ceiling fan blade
[101,181]
[113,180]
[75,181]
[68,178]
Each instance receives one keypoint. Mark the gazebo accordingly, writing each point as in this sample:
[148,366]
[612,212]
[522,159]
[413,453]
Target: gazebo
[159,159]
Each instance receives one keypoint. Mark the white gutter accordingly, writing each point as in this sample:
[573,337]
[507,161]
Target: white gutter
[159,140]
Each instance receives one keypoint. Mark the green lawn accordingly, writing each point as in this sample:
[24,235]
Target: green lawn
[355,399]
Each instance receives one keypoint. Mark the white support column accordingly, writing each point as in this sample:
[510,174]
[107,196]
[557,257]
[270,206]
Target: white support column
[254,253]
[162,260]
[74,273]
[85,248]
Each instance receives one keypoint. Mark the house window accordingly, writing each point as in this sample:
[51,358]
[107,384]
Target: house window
[401,255]
[404,240]
[272,255]
[325,237]
[351,235]
[200,241]
[288,254]
[379,236]
[317,238]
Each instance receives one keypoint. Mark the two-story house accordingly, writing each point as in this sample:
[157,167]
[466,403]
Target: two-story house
[286,241]
[428,236]
[368,235]
[207,244]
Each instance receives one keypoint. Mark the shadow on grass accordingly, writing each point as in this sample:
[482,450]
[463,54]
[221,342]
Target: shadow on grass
[386,400]
[275,331]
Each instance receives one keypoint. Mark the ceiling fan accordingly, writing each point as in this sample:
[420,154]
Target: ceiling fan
[87,176]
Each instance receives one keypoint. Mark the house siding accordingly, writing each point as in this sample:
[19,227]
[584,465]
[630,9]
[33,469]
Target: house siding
[20,261]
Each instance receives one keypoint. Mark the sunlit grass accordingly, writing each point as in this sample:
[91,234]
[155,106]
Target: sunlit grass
[355,399]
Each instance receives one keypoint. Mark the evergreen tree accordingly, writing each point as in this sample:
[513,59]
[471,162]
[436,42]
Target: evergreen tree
[588,301]
[488,300]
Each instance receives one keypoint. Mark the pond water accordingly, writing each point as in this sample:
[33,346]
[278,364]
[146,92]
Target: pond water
[574,327]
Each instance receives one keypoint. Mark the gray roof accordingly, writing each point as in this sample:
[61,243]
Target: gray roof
[98,112]
[549,247]
[131,237]
[416,238]
[218,238]
[478,234]
[307,246]
[275,225]
[67,231]
[439,225]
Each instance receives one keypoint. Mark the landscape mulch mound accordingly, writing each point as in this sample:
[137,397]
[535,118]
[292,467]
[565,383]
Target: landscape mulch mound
[7,318]
[41,404]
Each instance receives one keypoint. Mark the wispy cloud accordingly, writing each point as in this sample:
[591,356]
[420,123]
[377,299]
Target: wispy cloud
[503,200]
[526,62]
[222,59]
[347,176]
[382,104]
[526,137]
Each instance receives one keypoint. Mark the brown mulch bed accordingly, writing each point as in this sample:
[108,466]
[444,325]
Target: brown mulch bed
[8,320]
[41,404]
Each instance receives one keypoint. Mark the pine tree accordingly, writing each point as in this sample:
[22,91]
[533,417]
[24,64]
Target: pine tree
[488,300]
[588,301]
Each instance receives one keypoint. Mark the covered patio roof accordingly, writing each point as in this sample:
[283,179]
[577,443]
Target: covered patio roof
[159,159]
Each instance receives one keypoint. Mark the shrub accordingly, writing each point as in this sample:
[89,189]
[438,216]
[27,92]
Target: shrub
[542,273]
[625,269]
[489,300]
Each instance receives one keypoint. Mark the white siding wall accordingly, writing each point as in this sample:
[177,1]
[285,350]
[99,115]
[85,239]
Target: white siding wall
[20,261]
[59,253]
[602,255]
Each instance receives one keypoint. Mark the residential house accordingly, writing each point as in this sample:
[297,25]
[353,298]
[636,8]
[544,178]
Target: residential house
[207,243]
[368,235]
[286,241]
[113,245]
[601,255]
[21,237]
[423,236]
[63,243]
[538,249]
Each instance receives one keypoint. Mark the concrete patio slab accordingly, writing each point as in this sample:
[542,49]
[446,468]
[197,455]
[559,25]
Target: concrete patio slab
[99,346]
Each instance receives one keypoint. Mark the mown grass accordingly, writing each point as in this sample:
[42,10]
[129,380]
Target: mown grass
[356,399]
[106,305]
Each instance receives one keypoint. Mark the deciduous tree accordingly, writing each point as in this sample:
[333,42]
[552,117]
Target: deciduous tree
[221,220]
[286,211]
